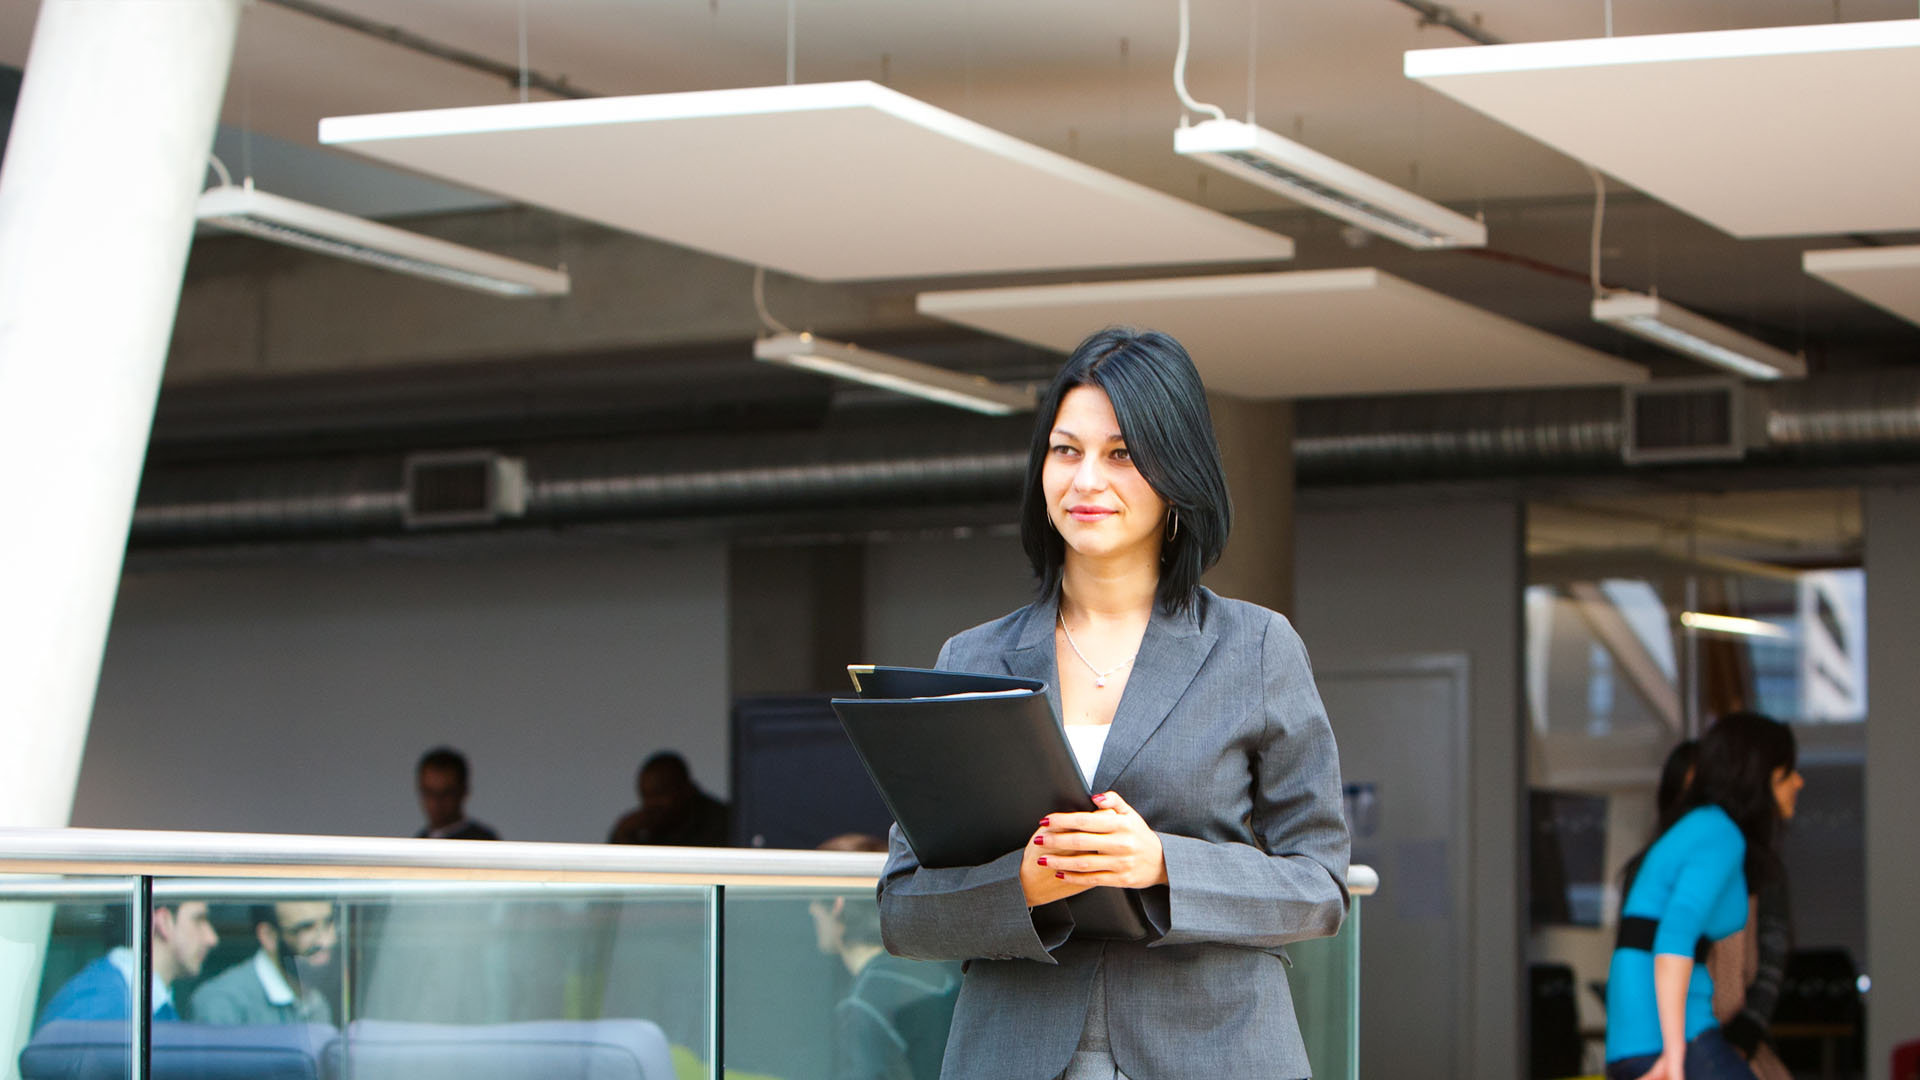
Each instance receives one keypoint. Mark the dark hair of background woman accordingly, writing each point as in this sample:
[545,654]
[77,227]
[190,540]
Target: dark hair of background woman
[1673,775]
[1733,769]
[1162,409]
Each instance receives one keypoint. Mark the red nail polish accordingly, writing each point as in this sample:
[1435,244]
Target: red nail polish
[1039,839]
[1100,799]
[1060,873]
[1042,860]
[1045,821]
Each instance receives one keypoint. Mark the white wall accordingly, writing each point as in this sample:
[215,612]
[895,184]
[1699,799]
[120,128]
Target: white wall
[922,592]
[1893,753]
[296,695]
[1381,582]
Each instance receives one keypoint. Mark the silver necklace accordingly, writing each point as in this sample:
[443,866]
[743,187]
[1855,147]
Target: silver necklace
[1099,677]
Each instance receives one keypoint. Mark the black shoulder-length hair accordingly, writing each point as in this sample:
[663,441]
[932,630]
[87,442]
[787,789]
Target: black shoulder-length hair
[1162,409]
[1733,766]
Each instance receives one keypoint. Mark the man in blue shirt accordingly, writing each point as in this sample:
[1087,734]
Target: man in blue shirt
[103,990]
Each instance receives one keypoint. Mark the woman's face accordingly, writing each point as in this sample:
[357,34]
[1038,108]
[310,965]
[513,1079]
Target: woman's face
[1098,500]
[1786,790]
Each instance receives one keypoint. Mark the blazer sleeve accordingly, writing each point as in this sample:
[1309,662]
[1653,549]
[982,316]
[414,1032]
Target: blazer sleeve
[963,912]
[1292,886]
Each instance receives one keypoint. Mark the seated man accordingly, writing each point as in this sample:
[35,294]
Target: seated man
[297,938]
[103,990]
[672,809]
[893,1023]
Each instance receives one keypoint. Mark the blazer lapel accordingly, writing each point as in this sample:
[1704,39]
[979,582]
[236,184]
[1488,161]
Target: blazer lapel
[1032,656]
[1171,653]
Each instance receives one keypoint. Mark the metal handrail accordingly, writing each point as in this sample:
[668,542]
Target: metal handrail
[1362,880]
[260,855]
[133,852]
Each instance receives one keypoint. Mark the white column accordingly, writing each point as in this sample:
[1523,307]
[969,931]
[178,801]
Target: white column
[110,139]
[109,145]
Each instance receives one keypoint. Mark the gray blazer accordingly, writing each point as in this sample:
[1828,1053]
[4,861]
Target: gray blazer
[1221,743]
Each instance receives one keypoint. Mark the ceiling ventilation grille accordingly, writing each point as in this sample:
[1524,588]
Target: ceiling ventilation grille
[467,487]
[1682,420]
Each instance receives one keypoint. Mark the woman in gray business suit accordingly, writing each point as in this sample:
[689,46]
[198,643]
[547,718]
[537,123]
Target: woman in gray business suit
[1196,720]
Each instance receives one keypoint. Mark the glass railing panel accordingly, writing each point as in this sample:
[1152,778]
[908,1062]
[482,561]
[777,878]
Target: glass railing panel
[494,962]
[67,958]
[1325,979]
[811,995]
[397,980]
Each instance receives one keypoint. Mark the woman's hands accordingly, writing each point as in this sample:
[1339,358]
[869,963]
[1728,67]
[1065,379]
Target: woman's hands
[1671,1066]
[1072,852]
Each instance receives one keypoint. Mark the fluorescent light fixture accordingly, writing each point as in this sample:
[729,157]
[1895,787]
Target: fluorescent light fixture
[330,232]
[894,373]
[1697,336]
[1730,624]
[1281,165]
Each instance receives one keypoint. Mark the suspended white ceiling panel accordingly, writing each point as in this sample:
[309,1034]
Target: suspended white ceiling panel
[830,181]
[1784,131]
[1311,333]
[1887,277]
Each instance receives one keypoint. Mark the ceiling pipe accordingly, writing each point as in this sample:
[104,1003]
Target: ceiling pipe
[1432,14]
[339,498]
[1867,418]
[1854,418]
[514,74]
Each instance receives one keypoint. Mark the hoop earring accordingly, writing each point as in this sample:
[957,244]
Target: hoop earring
[1175,534]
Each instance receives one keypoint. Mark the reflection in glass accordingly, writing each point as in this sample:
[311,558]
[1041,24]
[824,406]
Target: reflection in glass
[289,977]
[1325,980]
[813,995]
[543,981]
[302,980]
[67,968]
[1647,617]
[401,980]
[1601,659]
[1833,655]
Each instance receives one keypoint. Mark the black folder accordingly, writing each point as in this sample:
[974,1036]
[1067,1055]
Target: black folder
[969,777]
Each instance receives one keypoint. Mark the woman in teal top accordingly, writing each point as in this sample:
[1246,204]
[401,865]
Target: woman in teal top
[1688,889]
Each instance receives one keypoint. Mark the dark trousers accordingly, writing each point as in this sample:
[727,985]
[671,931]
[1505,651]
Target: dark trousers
[1709,1057]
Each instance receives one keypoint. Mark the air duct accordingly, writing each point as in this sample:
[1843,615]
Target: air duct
[1867,418]
[1857,418]
[573,483]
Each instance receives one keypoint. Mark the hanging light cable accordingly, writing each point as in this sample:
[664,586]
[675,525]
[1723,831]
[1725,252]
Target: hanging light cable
[1646,316]
[1180,70]
[1309,177]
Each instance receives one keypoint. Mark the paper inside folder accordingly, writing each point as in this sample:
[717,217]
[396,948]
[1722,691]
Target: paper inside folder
[1017,692]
